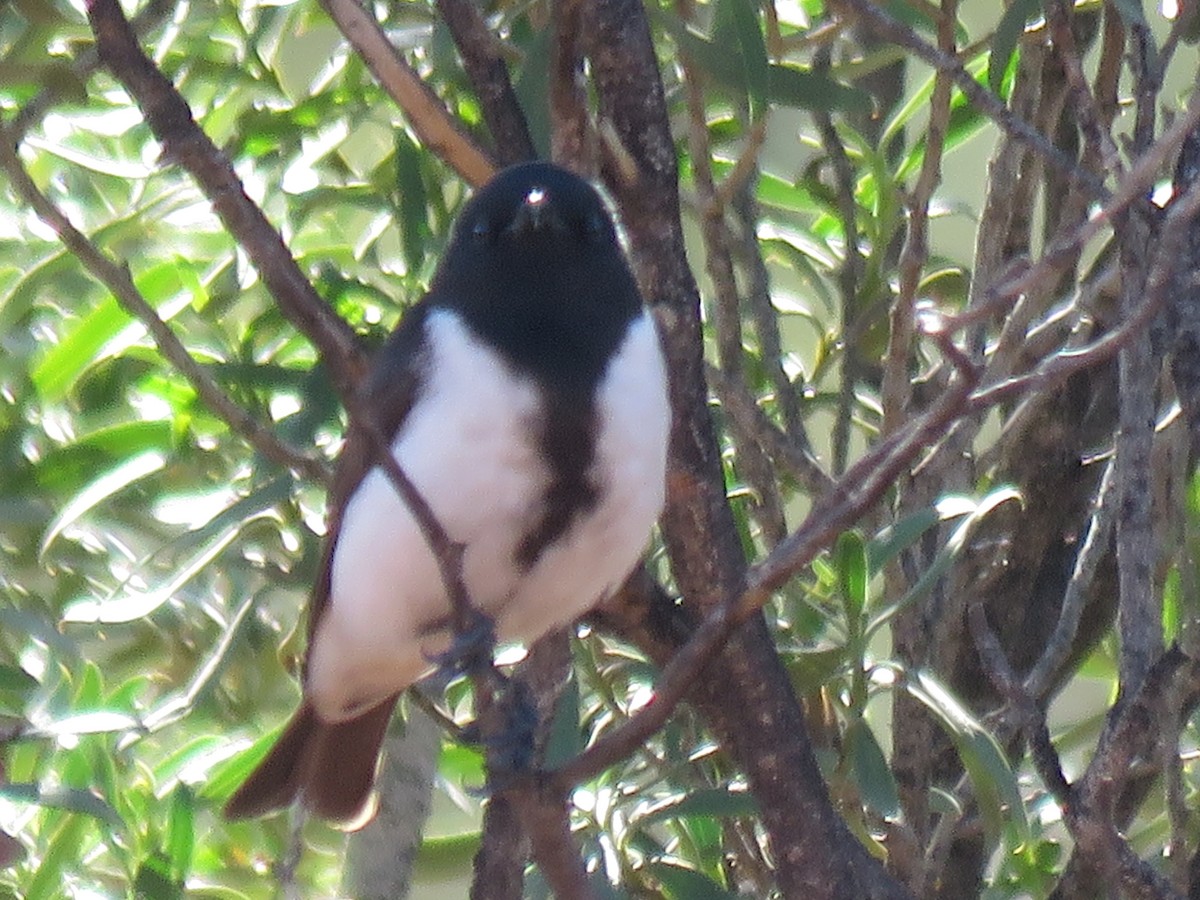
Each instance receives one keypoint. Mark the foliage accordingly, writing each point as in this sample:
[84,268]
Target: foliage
[156,563]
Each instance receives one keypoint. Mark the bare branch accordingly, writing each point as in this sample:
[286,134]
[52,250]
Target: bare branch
[486,67]
[987,102]
[185,143]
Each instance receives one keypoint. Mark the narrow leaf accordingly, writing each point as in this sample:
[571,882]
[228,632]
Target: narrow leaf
[100,489]
[1004,41]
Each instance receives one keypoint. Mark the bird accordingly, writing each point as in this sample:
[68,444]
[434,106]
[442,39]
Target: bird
[525,397]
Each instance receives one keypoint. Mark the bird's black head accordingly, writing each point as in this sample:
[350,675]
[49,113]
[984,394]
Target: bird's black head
[535,208]
[534,266]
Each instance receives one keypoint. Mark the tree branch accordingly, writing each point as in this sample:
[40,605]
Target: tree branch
[426,113]
[488,72]
[186,144]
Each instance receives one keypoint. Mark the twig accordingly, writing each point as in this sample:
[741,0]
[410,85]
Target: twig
[857,491]
[896,385]
[436,128]
[753,466]
[848,274]
[571,137]
[185,143]
[446,552]
[488,71]
[739,404]
[758,295]
[1172,232]
[1093,549]
[1100,142]
[1009,685]
[118,280]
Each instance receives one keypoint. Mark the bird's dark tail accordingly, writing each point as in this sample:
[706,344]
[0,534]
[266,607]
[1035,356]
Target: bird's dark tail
[329,767]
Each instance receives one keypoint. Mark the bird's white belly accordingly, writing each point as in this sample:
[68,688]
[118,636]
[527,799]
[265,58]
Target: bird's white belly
[470,447]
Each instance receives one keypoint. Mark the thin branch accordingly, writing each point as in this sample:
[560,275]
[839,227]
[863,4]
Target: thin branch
[486,67]
[572,140]
[432,123]
[1093,549]
[185,143]
[848,274]
[896,386]
[740,405]
[446,552]
[118,281]
[1091,122]
[1172,232]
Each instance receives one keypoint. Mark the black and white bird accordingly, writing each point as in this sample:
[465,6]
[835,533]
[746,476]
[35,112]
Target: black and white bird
[525,398]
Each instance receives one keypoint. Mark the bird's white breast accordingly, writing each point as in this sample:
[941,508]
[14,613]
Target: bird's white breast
[470,446]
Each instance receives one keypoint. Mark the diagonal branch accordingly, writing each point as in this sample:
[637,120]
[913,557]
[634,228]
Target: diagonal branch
[988,103]
[118,280]
[488,71]
[426,113]
[185,143]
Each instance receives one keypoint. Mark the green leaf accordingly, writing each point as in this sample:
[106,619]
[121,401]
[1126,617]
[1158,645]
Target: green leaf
[181,833]
[946,557]
[153,880]
[803,89]
[1004,40]
[715,802]
[899,536]
[70,799]
[736,22]
[227,775]
[209,541]
[682,883]
[100,489]
[410,185]
[850,561]
[787,85]
[16,680]
[996,786]
[58,858]
[106,330]
[871,771]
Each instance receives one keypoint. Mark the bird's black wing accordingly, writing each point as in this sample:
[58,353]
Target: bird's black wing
[332,766]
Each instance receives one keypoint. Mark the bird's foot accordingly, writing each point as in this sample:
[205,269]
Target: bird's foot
[470,651]
[506,730]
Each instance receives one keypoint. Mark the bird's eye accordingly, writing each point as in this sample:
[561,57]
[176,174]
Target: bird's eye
[481,229]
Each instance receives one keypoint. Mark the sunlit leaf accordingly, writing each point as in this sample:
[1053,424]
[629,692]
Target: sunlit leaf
[996,786]
[70,799]
[181,833]
[102,488]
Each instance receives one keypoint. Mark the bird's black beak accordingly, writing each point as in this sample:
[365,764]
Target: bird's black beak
[535,215]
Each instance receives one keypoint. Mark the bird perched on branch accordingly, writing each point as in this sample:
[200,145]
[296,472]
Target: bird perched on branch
[525,398]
